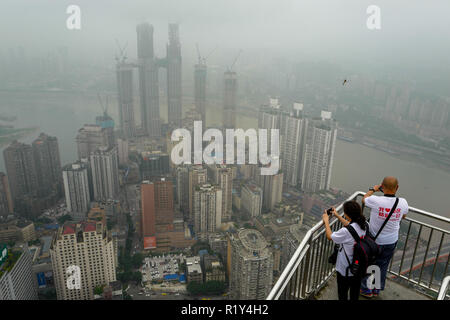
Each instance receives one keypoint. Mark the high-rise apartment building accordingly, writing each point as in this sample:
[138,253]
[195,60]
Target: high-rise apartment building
[122,150]
[88,246]
[174,88]
[6,200]
[318,155]
[200,71]
[251,199]
[17,280]
[182,174]
[251,266]
[124,73]
[107,124]
[21,169]
[272,117]
[306,145]
[294,127]
[269,116]
[198,175]
[272,190]
[148,81]
[48,164]
[207,210]
[76,189]
[222,175]
[90,138]
[157,207]
[105,173]
[229,100]
[291,241]
[148,210]
[159,228]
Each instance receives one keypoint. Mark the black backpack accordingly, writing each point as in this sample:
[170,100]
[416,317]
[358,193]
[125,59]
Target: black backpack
[365,252]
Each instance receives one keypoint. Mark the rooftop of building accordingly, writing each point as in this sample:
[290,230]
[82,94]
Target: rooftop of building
[193,265]
[252,239]
[298,231]
[91,128]
[46,244]
[13,256]
[76,166]
[211,261]
[14,223]
[252,187]
[85,226]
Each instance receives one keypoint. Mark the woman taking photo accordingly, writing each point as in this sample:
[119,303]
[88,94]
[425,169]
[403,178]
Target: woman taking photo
[354,218]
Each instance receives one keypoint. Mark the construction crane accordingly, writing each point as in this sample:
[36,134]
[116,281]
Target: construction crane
[103,106]
[122,54]
[230,68]
[202,60]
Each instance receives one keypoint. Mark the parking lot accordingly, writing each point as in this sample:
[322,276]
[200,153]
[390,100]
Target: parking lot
[139,293]
[155,268]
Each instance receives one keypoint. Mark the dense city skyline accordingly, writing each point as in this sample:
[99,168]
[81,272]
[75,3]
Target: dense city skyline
[120,180]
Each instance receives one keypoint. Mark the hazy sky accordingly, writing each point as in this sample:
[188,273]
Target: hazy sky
[414,32]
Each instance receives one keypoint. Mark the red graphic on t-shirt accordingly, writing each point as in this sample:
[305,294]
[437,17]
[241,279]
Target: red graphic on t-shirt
[384,212]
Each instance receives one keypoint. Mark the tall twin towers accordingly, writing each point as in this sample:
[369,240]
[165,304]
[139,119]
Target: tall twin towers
[148,65]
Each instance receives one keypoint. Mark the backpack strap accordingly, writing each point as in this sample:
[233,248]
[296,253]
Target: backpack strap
[387,219]
[353,232]
[348,260]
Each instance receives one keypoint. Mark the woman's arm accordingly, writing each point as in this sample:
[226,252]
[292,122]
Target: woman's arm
[327,225]
[341,219]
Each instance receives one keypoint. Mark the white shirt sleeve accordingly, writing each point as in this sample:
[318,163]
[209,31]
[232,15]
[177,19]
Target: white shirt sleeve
[370,201]
[407,208]
[340,236]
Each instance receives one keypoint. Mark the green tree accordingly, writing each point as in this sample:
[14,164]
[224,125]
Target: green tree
[137,259]
[64,218]
[207,288]
[98,290]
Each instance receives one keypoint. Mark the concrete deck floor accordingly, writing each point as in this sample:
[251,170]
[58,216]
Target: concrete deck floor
[392,291]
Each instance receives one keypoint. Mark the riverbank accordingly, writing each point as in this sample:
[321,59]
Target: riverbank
[7,135]
[428,156]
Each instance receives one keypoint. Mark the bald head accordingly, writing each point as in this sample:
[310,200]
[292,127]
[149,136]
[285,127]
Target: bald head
[390,184]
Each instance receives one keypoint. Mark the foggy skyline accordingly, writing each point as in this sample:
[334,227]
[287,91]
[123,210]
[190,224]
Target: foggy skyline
[412,32]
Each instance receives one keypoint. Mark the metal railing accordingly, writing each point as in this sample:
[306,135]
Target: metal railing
[444,287]
[308,270]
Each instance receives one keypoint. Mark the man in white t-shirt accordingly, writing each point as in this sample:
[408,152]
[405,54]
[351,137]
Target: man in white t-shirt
[381,207]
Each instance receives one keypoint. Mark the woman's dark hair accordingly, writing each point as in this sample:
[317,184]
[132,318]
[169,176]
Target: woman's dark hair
[353,210]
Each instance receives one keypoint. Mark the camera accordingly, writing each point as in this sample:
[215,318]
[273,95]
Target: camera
[330,211]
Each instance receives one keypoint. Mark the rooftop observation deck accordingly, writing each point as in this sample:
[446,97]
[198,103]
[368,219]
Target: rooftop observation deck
[418,270]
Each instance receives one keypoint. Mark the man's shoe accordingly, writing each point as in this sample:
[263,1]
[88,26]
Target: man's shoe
[375,292]
[366,293]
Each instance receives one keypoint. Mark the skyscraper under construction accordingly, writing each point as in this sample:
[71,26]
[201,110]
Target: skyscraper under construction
[125,97]
[200,89]
[148,81]
[174,90]
[229,100]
